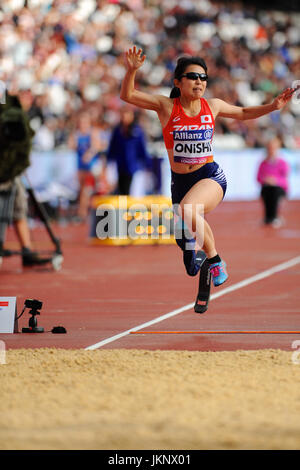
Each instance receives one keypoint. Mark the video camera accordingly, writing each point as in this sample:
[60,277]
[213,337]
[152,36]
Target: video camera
[33,304]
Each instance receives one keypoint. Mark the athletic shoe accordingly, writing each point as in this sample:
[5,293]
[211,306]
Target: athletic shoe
[277,223]
[4,252]
[31,258]
[218,273]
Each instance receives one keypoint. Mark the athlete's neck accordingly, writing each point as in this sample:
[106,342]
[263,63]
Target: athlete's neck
[191,107]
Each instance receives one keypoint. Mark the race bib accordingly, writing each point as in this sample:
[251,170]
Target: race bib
[192,146]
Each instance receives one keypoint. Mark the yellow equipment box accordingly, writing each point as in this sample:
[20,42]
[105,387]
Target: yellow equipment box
[126,220]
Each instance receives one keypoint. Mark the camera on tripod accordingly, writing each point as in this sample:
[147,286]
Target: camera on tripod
[35,306]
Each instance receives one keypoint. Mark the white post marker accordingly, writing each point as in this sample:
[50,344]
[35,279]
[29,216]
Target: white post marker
[8,315]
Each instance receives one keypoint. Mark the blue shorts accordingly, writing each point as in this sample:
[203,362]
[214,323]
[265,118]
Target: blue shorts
[182,183]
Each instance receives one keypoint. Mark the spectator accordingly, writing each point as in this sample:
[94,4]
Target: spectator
[87,143]
[128,149]
[273,177]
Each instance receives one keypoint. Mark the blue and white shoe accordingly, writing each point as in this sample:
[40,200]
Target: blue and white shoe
[218,273]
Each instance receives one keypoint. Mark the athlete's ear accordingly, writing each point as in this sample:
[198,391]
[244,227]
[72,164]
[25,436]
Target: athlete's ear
[176,82]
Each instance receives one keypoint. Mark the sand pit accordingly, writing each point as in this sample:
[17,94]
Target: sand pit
[136,399]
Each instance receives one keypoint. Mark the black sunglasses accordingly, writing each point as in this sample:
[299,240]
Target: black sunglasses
[194,76]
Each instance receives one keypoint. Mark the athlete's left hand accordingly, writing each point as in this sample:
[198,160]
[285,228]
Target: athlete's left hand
[134,58]
[281,100]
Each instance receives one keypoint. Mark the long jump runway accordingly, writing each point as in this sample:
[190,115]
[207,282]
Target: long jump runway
[139,297]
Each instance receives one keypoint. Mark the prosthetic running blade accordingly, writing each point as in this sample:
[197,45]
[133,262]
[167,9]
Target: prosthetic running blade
[202,299]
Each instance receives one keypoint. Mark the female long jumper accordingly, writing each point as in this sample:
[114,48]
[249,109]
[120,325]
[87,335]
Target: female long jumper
[187,119]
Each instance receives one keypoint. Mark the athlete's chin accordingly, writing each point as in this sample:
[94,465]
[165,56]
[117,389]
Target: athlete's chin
[197,94]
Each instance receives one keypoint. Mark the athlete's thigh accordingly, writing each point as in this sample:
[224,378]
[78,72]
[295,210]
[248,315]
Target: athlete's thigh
[206,192]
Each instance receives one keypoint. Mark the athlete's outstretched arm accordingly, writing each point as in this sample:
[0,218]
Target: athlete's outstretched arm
[134,60]
[227,110]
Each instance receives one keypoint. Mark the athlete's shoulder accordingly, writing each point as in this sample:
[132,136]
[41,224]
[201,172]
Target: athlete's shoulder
[166,109]
[214,103]
[165,100]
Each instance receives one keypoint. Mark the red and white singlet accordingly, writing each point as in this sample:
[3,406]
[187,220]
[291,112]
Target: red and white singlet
[190,138]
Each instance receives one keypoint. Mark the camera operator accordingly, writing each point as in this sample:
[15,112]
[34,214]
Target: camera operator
[20,222]
[15,145]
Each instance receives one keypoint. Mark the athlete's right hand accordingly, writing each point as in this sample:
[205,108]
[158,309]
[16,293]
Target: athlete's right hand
[134,58]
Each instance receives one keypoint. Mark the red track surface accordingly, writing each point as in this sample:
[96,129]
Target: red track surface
[103,291]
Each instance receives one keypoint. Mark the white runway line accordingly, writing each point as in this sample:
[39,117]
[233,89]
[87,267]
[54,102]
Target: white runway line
[238,285]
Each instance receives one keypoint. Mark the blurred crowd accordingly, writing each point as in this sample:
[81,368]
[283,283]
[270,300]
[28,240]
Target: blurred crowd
[64,58]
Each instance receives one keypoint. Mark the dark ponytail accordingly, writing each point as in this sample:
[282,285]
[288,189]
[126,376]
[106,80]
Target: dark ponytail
[175,92]
[182,64]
